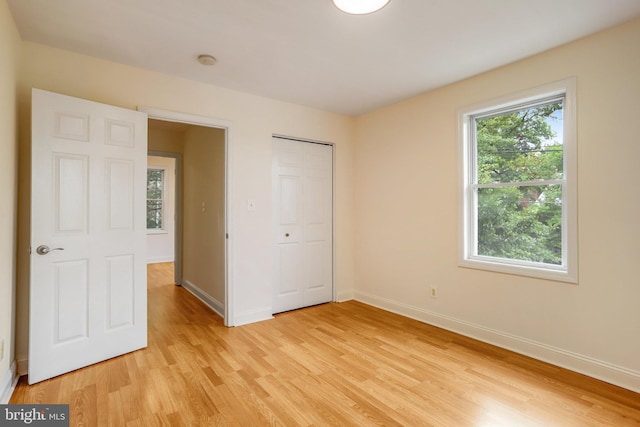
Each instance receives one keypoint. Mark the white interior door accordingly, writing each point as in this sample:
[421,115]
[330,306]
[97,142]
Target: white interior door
[303,224]
[88,299]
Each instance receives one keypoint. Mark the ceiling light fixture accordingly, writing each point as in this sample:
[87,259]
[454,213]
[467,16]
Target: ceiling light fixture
[360,7]
[206,59]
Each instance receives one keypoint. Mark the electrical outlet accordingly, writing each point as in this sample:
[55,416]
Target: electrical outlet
[434,292]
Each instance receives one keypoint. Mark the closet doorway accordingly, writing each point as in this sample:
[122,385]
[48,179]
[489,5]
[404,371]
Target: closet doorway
[302,177]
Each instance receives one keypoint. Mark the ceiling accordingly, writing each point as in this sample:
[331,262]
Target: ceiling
[307,51]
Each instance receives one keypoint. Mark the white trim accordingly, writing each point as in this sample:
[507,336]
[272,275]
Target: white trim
[521,184]
[253,316]
[207,299]
[568,272]
[8,383]
[156,231]
[173,116]
[334,230]
[605,371]
[345,296]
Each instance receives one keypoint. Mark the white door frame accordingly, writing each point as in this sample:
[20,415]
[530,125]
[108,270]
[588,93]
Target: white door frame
[191,119]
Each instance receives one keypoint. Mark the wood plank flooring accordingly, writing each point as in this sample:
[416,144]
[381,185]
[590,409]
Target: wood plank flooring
[330,365]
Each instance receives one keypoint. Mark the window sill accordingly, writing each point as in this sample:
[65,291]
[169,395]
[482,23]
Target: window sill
[153,232]
[491,264]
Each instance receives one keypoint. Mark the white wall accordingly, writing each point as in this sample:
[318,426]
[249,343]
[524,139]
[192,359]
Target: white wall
[161,243]
[406,180]
[254,120]
[9,52]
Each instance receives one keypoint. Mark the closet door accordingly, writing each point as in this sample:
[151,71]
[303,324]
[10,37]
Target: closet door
[303,224]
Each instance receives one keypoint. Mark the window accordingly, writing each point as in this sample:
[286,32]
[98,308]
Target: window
[518,192]
[155,199]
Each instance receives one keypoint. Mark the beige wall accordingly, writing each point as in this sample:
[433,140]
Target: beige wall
[167,140]
[9,52]
[406,180]
[203,229]
[254,120]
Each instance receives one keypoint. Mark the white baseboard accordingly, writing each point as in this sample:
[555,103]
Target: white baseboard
[215,305]
[210,301]
[344,296]
[8,383]
[252,316]
[608,372]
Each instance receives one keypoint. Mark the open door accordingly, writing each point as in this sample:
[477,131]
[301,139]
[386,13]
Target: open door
[88,299]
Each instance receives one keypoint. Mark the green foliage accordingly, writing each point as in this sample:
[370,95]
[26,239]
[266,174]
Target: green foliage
[520,221]
[155,183]
[154,214]
[155,186]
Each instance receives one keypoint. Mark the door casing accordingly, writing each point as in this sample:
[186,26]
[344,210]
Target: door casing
[172,116]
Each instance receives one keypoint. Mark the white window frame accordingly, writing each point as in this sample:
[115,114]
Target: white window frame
[164,199]
[467,245]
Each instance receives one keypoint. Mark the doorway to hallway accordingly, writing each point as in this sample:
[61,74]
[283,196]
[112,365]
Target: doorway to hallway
[199,202]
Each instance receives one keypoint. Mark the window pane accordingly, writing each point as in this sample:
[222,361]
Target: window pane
[521,223]
[154,214]
[520,146]
[155,183]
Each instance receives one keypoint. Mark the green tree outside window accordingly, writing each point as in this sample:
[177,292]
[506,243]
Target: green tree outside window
[519,173]
[155,199]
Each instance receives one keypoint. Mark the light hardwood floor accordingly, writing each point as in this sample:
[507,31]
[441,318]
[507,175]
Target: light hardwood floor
[330,365]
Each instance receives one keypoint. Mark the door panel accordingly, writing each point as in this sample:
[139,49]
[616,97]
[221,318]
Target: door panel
[315,264]
[120,291]
[70,300]
[88,294]
[119,194]
[303,224]
[70,189]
